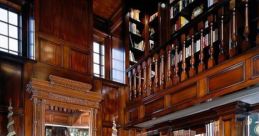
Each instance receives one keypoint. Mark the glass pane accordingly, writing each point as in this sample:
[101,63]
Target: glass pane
[3,15]
[117,65]
[96,58]
[13,44]
[13,18]
[13,31]
[103,50]
[96,69]
[118,75]
[3,28]
[96,47]
[103,60]
[103,71]
[117,54]
[3,42]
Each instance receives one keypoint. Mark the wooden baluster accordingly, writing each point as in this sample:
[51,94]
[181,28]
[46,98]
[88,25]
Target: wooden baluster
[211,61]
[162,76]
[139,81]
[168,66]
[201,66]
[144,88]
[192,70]
[135,83]
[176,78]
[245,45]
[149,72]
[233,46]
[222,52]
[184,73]
[130,86]
[156,73]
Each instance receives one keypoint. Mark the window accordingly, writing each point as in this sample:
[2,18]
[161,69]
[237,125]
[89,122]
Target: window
[118,66]
[98,60]
[10,32]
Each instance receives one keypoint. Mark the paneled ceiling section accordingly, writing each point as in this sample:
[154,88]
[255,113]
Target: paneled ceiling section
[106,8]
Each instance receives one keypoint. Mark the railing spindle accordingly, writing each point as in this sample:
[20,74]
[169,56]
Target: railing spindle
[168,66]
[245,44]
[149,74]
[184,73]
[135,82]
[144,66]
[156,73]
[130,86]
[211,61]
[139,81]
[233,46]
[162,77]
[176,78]
[201,66]
[222,55]
[192,70]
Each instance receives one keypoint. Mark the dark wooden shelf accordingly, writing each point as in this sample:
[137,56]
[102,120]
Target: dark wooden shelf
[139,24]
[187,11]
[135,38]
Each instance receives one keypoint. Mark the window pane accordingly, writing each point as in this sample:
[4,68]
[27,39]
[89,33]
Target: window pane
[3,42]
[96,58]
[103,60]
[103,71]
[4,50]
[96,69]
[117,54]
[3,28]
[117,65]
[13,18]
[96,47]
[3,15]
[118,75]
[103,50]
[13,44]
[13,31]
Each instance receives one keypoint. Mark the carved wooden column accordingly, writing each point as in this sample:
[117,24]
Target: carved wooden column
[156,78]
[245,45]
[35,122]
[168,66]
[161,70]
[139,81]
[149,74]
[176,78]
[211,61]
[134,83]
[144,88]
[130,86]
[192,70]
[222,53]
[233,46]
[201,66]
[184,73]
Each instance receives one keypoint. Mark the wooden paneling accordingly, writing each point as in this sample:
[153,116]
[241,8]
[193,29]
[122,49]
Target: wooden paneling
[154,106]
[133,115]
[255,66]
[184,95]
[227,78]
[106,9]
[66,19]
[50,53]
[79,62]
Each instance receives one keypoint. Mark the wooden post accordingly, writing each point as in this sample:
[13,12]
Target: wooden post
[168,66]
[135,83]
[245,45]
[184,73]
[211,61]
[222,52]
[144,66]
[162,76]
[149,72]
[176,78]
[201,66]
[139,81]
[156,73]
[192,70]
[130,85]
[233,47]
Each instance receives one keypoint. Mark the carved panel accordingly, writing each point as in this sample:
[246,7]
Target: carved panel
[154,106]
[227,78]
[184,95]
[50,53]
[79,61]
[255,66]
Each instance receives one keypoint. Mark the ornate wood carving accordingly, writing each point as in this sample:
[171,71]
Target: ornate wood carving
[64,93]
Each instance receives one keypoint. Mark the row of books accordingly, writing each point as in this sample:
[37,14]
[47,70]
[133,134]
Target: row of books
[133,28]
[182,21]
[153,17]
[184,133]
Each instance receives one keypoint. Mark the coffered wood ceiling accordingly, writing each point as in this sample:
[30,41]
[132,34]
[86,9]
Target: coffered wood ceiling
[106,8]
